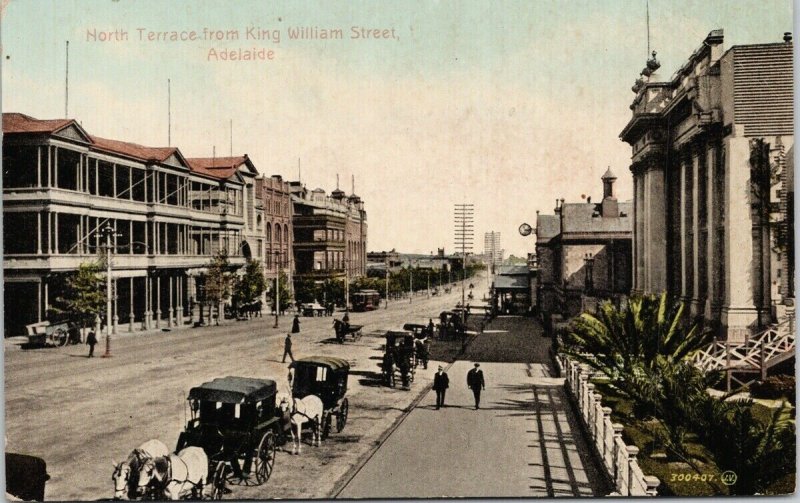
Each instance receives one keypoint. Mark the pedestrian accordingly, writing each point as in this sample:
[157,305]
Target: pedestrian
[346,317]
[91,340]
[430,327]
[287,348]
[296,325]
[440,384]
[476,383]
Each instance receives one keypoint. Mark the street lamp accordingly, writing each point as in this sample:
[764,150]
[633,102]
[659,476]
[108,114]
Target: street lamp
[108,231]
[277,286]
[386,304]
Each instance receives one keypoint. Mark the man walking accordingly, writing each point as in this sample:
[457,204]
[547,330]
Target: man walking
[440,384]
[91,340]
[287,348]
[476,383]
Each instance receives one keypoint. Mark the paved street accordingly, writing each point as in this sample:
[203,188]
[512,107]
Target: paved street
[523,441]
[79,414]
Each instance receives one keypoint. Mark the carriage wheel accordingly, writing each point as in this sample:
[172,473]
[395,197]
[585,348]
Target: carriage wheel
[60,337]
[265,457]
[218,483]
[326,425]
[341,417]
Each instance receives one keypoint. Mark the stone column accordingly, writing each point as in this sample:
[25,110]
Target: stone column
[39,232]
[696,251]
[686,208]
[711,224]
[636,237]
[656,233]
[738,312]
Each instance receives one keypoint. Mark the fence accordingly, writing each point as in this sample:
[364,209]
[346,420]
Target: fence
[618,459]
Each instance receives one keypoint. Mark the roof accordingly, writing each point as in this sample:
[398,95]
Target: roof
[547,227]
[217,167]
[582,218]
[234,390]
[133,149]
[512,270]
[329,361]
[511,283]
[608,175]
[21,123]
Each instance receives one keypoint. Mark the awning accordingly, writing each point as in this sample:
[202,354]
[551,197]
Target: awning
[511,283]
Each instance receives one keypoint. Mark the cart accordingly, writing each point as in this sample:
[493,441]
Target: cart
[343,329]
[235,421]
[399,358]
[46,333]
[326,378]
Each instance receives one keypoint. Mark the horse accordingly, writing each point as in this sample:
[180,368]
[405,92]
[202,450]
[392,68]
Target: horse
[126,473]
[305,409]
[176,474]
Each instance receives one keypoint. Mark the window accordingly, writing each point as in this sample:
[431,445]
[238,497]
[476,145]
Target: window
[19,166]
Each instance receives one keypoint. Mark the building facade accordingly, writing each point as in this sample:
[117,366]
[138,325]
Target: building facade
[278,229]
[492,250]
[62,187]
[330,234]
[583,253]
[711,151]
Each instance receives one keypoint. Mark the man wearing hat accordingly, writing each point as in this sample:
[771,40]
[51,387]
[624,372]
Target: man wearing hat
[440,384]
[476,383]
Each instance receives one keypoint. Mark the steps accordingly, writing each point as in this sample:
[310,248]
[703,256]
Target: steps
[756,355]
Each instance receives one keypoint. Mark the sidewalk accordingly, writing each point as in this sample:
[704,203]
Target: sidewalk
[522,442]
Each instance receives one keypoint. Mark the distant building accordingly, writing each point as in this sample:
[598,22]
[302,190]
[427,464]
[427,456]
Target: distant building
[712,151]
[511,289]
[330,234]
[392,258]
[492,251]
[278,227]
[583,253]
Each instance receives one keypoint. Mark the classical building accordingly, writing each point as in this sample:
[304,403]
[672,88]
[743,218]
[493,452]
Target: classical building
[330,234]
[713,195]
[583,253]
[62,188]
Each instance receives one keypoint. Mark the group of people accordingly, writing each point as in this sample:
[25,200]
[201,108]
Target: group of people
[475,382]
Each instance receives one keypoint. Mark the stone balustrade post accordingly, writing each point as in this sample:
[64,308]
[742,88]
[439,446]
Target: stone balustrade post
[588,411]
[652,485]
[617,427]
[632,451]
[606,427]
[598,417]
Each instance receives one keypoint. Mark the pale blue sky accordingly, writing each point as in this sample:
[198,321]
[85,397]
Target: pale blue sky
[505,104]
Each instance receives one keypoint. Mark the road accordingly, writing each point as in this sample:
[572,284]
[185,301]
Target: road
[522,442]
[80,414]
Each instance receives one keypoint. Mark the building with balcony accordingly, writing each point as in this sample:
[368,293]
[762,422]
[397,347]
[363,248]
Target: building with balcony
[62,186]
[330,234]
[713,195]
[583,254]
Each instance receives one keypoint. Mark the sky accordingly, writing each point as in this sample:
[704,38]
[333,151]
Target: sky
[508,105]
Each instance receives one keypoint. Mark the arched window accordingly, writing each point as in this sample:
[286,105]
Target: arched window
[269,233]
[258,222]
[278,235]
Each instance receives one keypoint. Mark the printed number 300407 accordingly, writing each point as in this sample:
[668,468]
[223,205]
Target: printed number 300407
[693,477]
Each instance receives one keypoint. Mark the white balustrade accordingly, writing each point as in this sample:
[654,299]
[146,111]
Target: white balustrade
[618,459]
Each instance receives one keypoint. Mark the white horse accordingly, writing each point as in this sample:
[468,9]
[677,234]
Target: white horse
[308,409]
[126,473]
[177,475]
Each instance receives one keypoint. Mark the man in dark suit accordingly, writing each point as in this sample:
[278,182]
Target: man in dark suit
[476,383]
[440,384]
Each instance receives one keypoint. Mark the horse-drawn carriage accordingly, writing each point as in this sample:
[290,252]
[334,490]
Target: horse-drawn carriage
[422,334]
[326,378]
[235,422]
[399,358]
[344,328]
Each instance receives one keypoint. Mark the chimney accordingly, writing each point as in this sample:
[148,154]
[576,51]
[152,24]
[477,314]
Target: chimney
[589,200]
[609,206]
[787,37]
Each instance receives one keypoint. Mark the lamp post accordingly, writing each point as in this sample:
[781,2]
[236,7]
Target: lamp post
[108,231]
[429,283]
[386,304]
[410,281]
[277,287]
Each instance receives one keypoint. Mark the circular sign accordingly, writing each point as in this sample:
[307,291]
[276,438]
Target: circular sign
[525,229]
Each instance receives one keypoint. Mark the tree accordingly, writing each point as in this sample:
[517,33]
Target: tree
[84,296]
[251,285]
[285,293]
[218,281]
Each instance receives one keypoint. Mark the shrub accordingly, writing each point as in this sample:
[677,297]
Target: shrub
[775,387]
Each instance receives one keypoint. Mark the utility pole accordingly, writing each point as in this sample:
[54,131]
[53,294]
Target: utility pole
[464,221]
[346,285]
[410,281]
